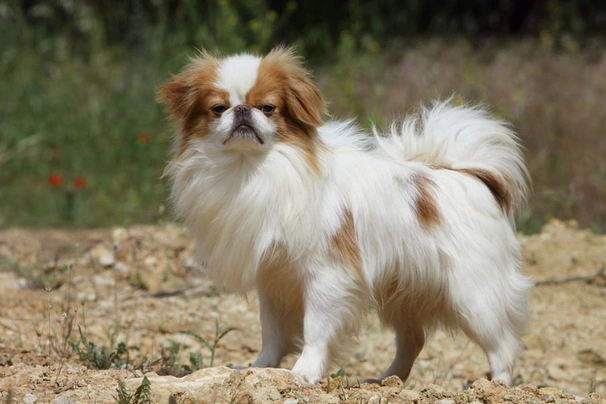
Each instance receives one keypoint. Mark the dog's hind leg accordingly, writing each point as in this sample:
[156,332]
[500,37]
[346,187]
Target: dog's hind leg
[410,339]
[495,317]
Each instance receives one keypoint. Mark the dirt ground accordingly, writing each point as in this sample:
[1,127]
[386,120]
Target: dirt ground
[140,286]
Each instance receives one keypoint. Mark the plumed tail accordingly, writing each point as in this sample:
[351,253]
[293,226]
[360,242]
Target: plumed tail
[466,139]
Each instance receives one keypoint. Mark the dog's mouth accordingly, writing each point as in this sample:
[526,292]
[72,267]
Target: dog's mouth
[244,131]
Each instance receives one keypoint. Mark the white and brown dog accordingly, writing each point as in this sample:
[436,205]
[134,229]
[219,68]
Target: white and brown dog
[326,222]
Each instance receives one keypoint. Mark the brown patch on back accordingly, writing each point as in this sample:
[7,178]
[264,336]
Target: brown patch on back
[425,206]
[345,245]
[188,96]
[283,82]
[496,187]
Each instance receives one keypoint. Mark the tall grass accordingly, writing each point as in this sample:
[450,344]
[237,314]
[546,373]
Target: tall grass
[96,118]
[68,118]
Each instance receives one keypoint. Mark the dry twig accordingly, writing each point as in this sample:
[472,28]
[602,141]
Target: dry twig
[600,273]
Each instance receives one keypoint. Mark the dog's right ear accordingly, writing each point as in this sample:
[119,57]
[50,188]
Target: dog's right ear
[181,94]
[179,97]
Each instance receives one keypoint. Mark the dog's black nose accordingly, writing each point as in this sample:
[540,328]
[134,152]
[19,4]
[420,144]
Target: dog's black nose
[242,109]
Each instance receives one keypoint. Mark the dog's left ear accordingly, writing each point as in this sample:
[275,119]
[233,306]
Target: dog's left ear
[303,99]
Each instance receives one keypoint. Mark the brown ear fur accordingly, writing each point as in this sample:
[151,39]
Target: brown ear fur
[304,101]
[182,92]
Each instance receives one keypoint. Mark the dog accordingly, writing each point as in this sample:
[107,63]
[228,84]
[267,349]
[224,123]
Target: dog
[326,222]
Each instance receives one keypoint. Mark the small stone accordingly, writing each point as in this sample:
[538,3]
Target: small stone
[433,388]
[557,373]
[548,393]
[446,401]
[29,398]
[327,398]
[481,384]
[291,401]
[119,234]
[122,269]
[376,399]
[63,400]
[410,395]
[106,260]
[274,395]
[392,381]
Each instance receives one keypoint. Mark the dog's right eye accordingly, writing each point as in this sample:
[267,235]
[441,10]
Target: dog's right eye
[219,109]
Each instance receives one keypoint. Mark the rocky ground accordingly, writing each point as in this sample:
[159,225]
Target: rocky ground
[132,291]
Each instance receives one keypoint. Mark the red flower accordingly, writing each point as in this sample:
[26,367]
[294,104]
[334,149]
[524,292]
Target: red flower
[80,181]
[143,138]
[55,180]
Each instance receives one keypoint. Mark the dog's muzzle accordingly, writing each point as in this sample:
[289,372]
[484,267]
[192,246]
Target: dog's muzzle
[243,127]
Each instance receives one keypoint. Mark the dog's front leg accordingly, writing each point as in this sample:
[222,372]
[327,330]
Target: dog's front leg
[275,330]
[330,308]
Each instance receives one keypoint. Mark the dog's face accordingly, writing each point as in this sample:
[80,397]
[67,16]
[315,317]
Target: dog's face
[245,103]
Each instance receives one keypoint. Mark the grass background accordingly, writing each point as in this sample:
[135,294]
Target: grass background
[76,108]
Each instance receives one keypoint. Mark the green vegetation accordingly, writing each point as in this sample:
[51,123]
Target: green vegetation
[196,359]
[142,394]
[83,142]
[100,357]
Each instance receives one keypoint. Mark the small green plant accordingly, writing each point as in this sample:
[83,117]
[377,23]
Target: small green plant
[141,396]
[100,357]
[212,346]
[343,383]
[339,373]
[171,364]
[7,361]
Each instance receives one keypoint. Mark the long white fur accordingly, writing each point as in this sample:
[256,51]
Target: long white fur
[263,221]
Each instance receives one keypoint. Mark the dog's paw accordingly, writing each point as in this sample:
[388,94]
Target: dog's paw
[308,374]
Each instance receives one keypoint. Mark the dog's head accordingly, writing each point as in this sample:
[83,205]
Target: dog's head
[245,103]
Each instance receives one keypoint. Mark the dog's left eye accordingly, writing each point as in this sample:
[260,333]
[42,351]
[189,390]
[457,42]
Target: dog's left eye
[268,109]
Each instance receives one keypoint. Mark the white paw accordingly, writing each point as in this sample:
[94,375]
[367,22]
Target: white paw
[502,376]
[309,372]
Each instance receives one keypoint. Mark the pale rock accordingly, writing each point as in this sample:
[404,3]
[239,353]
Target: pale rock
[122,269]
[557,373]
[328,399]
[119,234]
[102,255]
[103,280]
[29,398]
[63,400]
[376,399]
[548,393]
[411,395]
[392,381]
[150,261]
[107,260]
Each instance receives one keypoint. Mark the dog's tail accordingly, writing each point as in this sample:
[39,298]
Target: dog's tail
[465,139]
